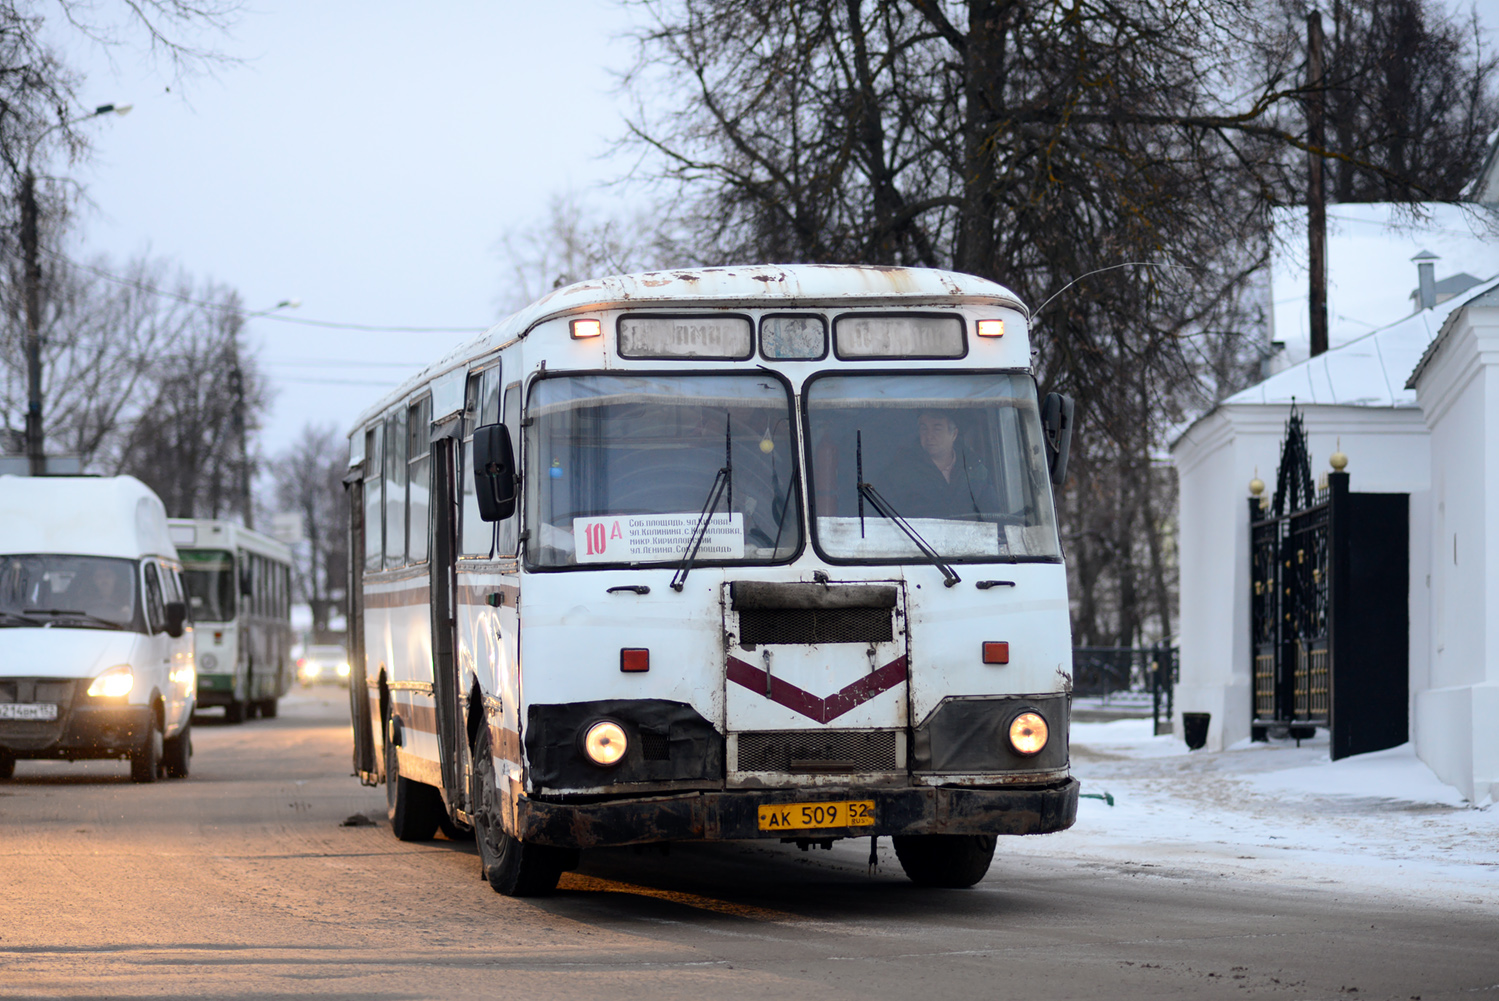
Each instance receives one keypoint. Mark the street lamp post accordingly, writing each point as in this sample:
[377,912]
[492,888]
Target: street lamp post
[237,390]
[32,293]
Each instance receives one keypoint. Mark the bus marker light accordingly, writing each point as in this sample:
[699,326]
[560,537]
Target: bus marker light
[991,328]
[996,653]
[1028,734]
[582,329]
[631,661]
[605,743]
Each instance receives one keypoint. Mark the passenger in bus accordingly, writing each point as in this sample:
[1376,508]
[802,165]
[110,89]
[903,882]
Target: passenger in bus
[105,593]
[938,478]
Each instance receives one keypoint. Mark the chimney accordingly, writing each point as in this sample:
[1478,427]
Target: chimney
[1427,269]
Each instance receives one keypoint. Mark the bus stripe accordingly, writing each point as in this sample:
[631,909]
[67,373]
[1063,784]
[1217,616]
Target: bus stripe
[809,705]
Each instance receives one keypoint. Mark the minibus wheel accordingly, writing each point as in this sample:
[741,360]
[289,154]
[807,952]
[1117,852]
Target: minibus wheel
[951,861]
[145,762]
[7,764]
[512,867]
[178,753]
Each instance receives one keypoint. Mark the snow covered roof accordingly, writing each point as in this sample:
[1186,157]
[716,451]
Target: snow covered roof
[1369,268]
[1370,371]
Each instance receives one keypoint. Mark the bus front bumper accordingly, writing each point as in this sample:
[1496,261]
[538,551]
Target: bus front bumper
[734,815]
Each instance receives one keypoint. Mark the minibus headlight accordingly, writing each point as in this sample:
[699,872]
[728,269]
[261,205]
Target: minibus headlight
[113,683]
[1028,734]
[604,742]
[343,670]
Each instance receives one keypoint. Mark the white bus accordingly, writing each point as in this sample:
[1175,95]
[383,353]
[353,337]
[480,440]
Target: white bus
[239,585]
[731,553]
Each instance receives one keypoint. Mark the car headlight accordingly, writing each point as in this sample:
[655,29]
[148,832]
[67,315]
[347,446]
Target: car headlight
[1028,733]
[605,743]
[113,683]
[343,670]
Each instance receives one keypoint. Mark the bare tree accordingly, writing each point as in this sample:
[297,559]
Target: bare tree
[1130,148]
[308,480]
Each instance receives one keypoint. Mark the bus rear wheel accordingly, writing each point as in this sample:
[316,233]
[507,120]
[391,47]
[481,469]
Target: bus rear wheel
[511,866]
[414,808]
[234,711]
[951,861]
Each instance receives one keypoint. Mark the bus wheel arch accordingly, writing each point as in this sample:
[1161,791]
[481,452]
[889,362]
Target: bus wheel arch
[512,867]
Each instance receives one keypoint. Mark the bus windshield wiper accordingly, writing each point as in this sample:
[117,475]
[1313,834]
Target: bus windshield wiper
[723,480]
[880,504]
[6,618]
[69,613]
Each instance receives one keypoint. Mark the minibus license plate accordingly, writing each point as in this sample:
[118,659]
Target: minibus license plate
[45,711]
[804,816]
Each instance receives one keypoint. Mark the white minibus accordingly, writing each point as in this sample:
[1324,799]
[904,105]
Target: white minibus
[98,652]
[726,553]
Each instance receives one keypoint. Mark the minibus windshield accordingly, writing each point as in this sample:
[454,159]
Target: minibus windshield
[621,468]
[957,455]
[86,592]
[209,577]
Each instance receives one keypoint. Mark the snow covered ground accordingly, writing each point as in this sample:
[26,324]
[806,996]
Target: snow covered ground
[1378,822]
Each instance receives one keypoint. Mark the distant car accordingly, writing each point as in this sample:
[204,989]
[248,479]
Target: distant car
[323,665]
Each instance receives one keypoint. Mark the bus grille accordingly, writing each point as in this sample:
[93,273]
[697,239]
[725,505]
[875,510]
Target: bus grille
[815,625]
[817,751]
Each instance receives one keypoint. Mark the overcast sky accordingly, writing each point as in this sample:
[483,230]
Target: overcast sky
[366,159]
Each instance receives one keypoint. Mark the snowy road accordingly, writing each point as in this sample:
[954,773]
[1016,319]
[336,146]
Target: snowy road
[1255,873]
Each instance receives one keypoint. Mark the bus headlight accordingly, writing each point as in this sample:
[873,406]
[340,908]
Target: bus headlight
[113,683]
[605,742]
[1028,734]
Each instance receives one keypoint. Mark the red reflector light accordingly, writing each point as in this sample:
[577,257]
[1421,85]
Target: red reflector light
[991,328]
[634,660]
[301,662]
[996,653]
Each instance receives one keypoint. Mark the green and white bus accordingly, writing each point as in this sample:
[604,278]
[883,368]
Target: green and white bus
[239,592]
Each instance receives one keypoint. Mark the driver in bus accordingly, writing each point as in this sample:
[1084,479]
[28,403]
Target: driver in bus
[105,595]
[939,478]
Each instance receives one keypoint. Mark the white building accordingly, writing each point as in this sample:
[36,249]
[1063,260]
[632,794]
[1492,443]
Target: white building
[1433,435]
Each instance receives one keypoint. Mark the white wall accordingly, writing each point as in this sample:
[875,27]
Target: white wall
[1457,713]
[1389,452]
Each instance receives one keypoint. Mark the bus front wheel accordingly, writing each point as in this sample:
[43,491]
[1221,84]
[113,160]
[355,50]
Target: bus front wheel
[512,867]
[951,861]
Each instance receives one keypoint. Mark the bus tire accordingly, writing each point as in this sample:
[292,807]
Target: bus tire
[267,708]
[177,753]
[234,711]
[412,807]
[952,861]
[512,867]
[145,762]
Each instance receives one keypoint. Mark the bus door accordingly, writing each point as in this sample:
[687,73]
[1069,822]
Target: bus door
[452,747]
[359,696]
[815,680]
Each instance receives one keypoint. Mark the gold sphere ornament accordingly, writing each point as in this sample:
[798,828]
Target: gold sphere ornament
[1256,487]
[1338,461]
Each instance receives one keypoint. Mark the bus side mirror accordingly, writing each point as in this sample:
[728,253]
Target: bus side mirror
[176,613]
[494,472]
[1056,426]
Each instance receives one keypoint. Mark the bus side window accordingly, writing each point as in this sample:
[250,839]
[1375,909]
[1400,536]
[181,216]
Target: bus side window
[419,477]
[156,619]
[477,534]
[374,499]
[395,489]
[508,527]
[489,399]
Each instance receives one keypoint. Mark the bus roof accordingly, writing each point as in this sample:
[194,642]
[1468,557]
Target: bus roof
[216,533]
[83,515]
[756,286]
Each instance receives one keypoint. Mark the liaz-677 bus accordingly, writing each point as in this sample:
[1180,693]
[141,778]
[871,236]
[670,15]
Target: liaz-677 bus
[733,553]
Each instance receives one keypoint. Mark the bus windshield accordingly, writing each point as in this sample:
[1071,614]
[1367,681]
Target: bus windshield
[209,576]
[957,455]
[624,465]
[97,592]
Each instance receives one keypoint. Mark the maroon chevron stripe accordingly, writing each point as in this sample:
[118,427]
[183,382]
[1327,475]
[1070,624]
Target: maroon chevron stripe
[804,702]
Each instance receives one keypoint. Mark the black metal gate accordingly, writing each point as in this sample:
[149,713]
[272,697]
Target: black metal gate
[1328,607]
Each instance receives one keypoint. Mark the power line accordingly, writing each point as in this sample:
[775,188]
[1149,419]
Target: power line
[307,380]
[278,317]
[340,363]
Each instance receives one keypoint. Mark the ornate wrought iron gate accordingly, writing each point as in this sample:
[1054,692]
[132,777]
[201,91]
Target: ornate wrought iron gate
[1328,607]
